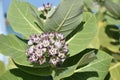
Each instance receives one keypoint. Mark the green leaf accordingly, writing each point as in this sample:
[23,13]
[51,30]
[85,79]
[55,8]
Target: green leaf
[82,39]
[15,48]
[115,71]
[111,20]
[10,64]
[100,65]
[17,74]
[68,71]
[2,68]
[95,42]
[89,55]
[113,8]
[21,19]
[39,22]
[66,17]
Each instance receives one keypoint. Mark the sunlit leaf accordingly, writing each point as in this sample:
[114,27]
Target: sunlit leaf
[82,39]
[10,64]
[115,71]
[21,19]
[14,47]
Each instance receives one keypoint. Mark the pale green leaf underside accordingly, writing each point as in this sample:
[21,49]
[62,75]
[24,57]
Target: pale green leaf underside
[66,17]
[21,18]
[82,39]
[15,48]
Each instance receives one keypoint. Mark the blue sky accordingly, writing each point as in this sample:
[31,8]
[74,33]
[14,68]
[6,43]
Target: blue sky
[37,3]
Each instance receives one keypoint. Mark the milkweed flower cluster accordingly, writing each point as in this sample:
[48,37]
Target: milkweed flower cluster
[47,46]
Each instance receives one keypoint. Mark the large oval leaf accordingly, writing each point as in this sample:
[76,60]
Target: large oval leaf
[12,46]
[21,19]
[66,17]
[82,39]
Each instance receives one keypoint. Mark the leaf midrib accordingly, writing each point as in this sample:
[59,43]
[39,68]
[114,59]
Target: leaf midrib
[59,27]
[31,25]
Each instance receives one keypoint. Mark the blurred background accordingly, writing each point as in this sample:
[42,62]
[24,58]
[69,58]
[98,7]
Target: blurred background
[5,28]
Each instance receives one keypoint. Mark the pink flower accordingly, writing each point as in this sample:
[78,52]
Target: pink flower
[47,45]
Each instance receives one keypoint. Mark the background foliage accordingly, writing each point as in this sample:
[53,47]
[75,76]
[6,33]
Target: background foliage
[107,13]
